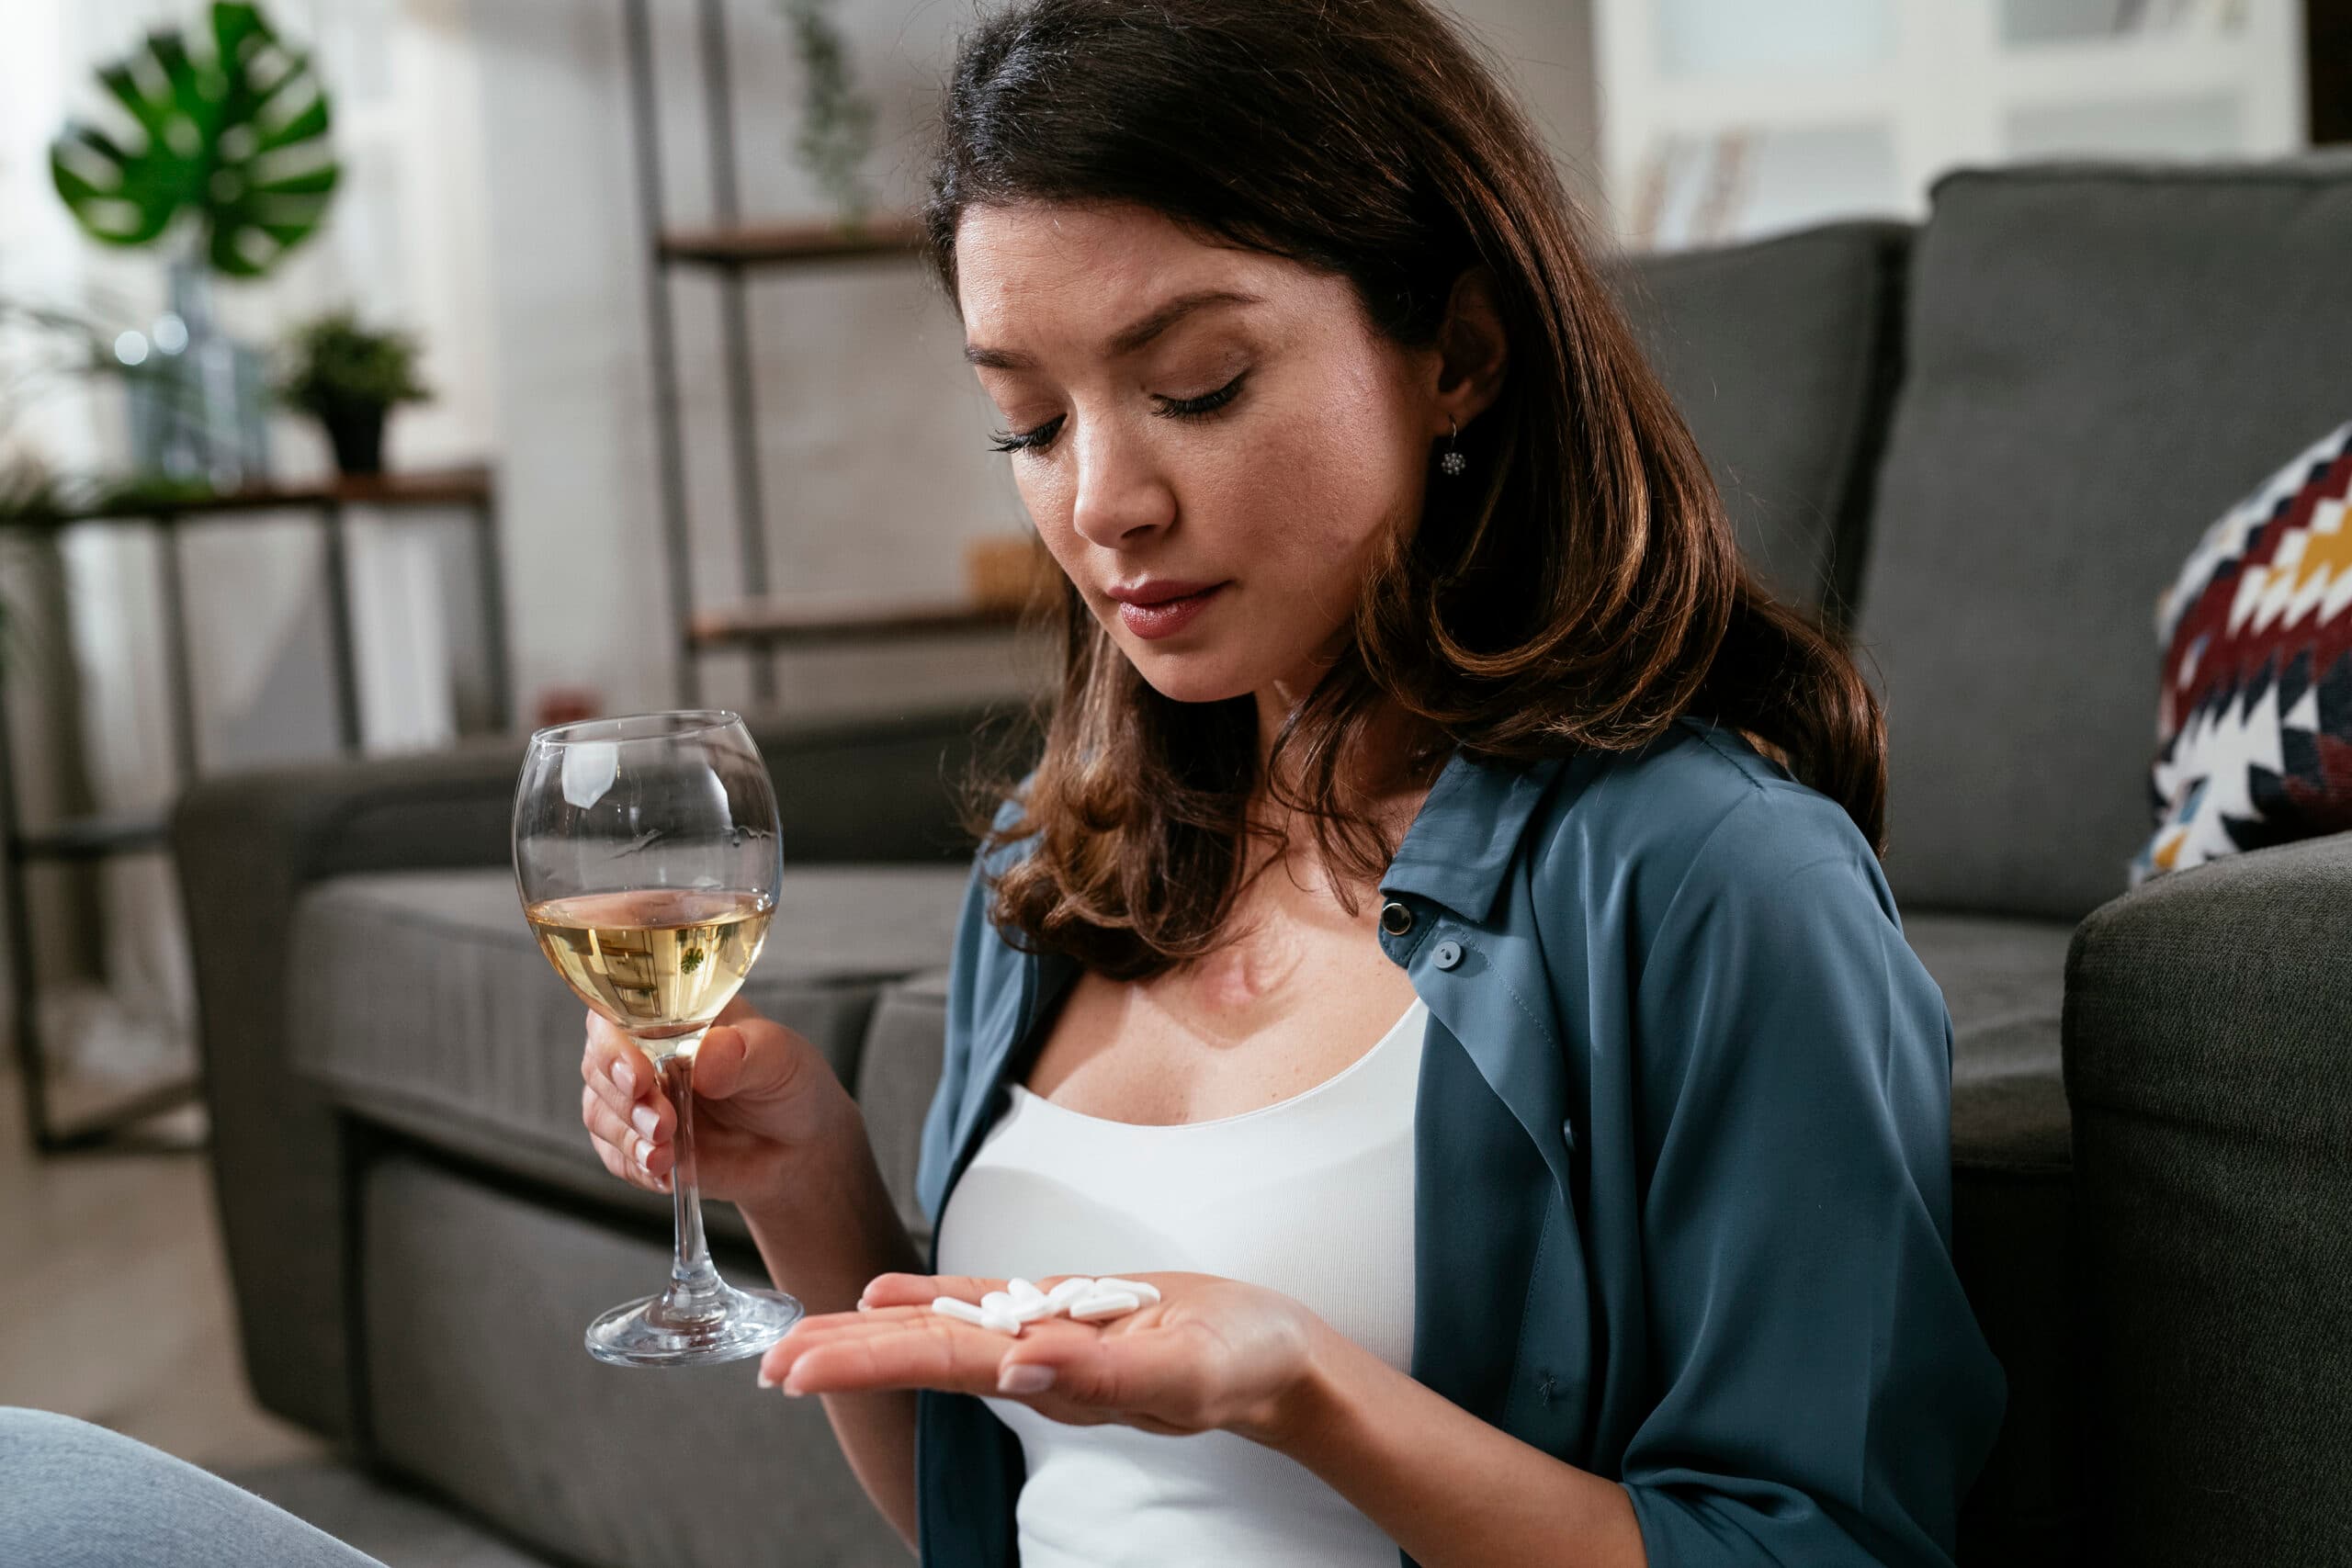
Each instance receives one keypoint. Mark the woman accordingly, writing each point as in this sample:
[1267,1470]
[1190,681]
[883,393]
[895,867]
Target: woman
[1442,946]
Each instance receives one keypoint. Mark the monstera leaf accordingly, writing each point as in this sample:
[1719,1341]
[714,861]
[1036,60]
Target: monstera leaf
[238,138]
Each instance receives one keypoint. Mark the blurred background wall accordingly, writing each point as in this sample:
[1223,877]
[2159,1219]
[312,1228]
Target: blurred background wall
[1726,118]
[489,204]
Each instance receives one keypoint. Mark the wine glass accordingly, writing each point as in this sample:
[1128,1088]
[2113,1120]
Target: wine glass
[648,857]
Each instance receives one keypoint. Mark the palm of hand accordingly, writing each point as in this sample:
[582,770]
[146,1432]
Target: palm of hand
[1211,1354]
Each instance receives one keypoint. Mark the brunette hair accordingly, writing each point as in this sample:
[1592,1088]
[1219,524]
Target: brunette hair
[1581,592]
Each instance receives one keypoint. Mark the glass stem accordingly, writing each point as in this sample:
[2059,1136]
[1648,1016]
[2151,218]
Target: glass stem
[694,1288]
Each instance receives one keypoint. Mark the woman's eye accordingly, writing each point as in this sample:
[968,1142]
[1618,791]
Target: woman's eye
[1042,436]
[1027,440]
[1208,402]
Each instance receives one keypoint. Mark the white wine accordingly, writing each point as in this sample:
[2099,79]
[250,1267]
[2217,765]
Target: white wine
[661,962]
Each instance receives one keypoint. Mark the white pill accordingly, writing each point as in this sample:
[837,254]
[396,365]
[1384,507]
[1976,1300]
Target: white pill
[1023,1290]
[996,1301]
[954,1306]
[1105,1303]
[1070,1289]
[1031,1311]
[1133,1288]
[1002,1321]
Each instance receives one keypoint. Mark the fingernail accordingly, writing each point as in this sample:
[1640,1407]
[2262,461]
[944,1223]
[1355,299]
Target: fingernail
[645,1156]
[1026,1378]
[647,1121]
[864,1305]
[625,1075]
[765,1381]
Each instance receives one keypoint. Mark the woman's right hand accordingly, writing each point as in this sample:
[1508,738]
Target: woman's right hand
[766,1103]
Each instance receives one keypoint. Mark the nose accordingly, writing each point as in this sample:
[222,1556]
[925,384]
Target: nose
[1121,493]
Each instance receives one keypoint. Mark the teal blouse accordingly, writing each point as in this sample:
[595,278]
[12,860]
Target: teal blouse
[1681,1159]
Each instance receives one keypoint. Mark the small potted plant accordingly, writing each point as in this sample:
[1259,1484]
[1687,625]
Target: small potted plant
[348,378]
[214,147]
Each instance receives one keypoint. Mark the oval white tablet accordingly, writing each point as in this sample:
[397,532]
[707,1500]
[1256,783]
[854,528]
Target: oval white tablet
[1105,1303]
[955,1306]
[1133,1287]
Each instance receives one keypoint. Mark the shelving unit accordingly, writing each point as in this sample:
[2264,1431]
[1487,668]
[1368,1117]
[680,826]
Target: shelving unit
[1722,119]
[772,244]
[94,838]
[732,249]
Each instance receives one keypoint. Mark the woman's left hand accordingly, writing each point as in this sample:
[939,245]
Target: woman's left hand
[1211,1354]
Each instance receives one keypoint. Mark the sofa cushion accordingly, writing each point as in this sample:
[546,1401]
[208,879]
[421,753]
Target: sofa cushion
[1780,355]
[478,1386]
[2012,1207]
[898,1073]
[2207,1023]
[2254,715]
[2096,361]
[2003,981]
[420,1000]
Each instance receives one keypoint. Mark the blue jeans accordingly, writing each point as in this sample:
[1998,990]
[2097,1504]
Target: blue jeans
[75,1496]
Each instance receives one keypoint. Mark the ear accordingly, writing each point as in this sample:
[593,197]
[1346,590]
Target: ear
[1472,352]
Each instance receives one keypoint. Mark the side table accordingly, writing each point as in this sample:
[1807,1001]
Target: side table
[93,838]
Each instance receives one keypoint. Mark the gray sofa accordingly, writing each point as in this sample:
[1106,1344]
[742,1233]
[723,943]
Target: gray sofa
[1982,445]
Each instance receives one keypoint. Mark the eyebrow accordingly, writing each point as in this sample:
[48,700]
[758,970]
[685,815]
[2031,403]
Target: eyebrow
[1128,339]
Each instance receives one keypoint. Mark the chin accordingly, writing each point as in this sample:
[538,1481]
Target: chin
[1191,677]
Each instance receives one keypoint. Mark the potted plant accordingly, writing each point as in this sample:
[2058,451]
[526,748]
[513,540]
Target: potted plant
[836,120]
[216,149]
[348,378]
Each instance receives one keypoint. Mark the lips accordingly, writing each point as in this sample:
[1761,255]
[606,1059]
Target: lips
[1169,617]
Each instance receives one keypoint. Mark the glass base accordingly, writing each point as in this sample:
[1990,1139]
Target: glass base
[724,1326]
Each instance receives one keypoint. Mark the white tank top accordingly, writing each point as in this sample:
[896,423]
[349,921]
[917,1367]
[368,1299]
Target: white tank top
[1311,1196]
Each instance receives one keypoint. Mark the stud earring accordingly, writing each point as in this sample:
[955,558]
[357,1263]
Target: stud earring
[1451,462]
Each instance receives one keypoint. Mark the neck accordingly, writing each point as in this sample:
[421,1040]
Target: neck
[1375,776]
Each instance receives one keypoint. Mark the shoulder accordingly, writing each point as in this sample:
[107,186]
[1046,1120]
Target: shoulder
[1696,815]
[1698,795]
[992,861]
[987,965]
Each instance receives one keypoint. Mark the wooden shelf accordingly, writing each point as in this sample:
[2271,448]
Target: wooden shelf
[789,243]
[92,838]
[784,622]
[439,487]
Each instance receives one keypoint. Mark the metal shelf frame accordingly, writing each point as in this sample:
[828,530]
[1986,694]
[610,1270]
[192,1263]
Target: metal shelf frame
[730,249]
[90,839]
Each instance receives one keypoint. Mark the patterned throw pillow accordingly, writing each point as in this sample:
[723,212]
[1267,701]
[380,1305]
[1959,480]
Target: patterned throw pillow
[2253,732]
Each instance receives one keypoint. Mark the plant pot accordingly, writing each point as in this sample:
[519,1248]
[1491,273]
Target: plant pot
[356,432]
[198,405]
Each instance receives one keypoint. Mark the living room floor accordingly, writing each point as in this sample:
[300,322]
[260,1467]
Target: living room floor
[116,1308]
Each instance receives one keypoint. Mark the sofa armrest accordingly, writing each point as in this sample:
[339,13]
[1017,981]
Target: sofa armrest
[248,844]
[2208,1042]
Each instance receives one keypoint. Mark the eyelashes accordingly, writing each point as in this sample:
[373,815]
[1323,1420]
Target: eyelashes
[1207,402]
[1027,440]
[1041,436]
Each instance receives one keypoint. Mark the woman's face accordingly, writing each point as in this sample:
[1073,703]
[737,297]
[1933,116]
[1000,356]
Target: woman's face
[1184,416]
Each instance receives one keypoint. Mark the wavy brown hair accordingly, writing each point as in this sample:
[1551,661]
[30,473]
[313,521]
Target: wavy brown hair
[1581,594]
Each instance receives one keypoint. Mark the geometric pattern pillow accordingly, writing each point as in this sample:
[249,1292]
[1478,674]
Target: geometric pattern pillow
[2254,728]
